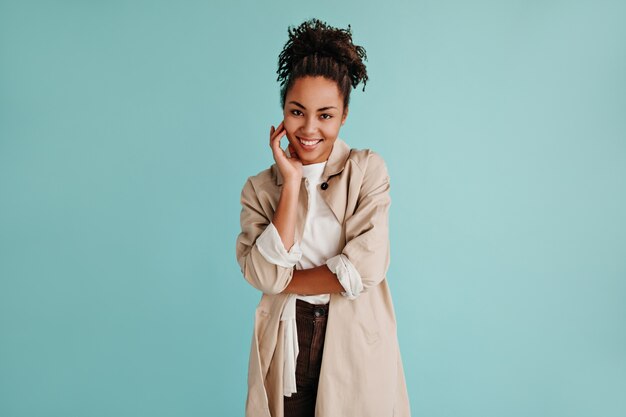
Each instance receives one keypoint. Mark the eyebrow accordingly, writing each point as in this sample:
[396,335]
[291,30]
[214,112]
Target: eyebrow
[320,109]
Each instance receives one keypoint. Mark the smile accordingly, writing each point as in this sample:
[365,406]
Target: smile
[309,144]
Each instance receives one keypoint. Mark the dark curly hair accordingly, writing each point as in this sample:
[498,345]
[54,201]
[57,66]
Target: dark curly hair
[316,49]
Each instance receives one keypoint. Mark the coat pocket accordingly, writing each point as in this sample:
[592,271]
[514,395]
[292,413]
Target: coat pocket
[372,336]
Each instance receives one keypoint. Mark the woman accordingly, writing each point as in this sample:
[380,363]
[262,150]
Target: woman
[314,240]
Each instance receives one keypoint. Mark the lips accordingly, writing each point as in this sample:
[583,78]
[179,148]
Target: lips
[309,144]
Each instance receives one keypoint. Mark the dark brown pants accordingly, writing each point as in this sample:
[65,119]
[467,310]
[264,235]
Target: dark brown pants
[311,323]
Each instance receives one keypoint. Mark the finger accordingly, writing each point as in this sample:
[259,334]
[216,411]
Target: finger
[278,134]
[292,151]
[275,134]
[280,128]
[275,145]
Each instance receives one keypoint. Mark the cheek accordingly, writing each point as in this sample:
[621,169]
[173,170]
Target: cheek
[333,128]
[290,126]
[289,134]
[291,129]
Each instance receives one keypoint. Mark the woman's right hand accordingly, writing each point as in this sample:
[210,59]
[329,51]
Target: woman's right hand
[290,166]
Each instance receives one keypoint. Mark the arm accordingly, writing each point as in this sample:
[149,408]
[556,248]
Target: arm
[266,276]
[318,280]
[291,169]
[266,264]
[285,215]
[364,259]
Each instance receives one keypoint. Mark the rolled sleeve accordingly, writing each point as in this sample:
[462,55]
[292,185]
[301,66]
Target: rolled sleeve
[271,247]
[268,277]
[348,276]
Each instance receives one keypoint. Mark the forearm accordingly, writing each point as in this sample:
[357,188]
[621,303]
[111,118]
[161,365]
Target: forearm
[318,280]
[285,215]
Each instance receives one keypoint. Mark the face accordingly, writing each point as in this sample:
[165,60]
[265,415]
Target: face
[313,114]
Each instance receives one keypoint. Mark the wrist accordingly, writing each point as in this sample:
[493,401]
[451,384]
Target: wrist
[292,183]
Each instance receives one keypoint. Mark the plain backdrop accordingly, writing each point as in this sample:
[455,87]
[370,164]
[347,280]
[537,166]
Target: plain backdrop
[128,128]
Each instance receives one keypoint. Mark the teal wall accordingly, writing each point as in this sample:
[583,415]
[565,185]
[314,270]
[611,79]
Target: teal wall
[127,130]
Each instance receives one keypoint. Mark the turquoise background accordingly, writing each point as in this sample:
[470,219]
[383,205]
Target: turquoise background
[127,130]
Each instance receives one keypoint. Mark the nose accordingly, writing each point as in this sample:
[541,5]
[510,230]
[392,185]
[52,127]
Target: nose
[310,127]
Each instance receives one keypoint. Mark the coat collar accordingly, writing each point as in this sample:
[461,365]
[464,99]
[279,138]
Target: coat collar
[335,164]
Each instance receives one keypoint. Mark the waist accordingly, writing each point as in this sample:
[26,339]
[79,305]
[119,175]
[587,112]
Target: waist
[307,309]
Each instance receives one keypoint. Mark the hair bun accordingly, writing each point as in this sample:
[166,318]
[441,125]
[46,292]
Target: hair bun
[307,41]
[316,38]
[317,49]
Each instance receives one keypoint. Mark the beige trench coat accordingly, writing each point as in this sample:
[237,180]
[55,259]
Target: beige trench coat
[362,373]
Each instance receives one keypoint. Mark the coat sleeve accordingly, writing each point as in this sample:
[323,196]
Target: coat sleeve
[265,276]
[367,230]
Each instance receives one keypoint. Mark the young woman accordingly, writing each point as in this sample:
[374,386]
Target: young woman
[314,241]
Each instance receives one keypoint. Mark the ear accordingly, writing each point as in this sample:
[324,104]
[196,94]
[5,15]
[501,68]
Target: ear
[345,115]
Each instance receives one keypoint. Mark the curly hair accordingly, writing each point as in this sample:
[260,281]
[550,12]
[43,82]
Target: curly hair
[317,49]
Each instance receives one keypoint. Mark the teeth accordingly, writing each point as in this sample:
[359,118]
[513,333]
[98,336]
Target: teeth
[309,142]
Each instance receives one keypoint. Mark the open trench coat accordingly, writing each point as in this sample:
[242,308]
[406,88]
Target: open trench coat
[361,373]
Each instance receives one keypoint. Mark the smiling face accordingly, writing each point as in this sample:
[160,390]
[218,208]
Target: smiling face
[313,115]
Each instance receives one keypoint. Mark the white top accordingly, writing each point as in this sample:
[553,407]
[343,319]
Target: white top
[320,245]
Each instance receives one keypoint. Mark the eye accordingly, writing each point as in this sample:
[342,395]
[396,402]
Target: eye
[292,112]
[329,116]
